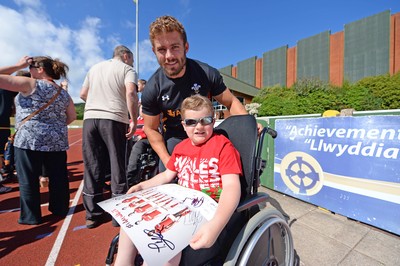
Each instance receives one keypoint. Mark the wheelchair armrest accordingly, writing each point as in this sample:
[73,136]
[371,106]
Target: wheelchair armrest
[251,200]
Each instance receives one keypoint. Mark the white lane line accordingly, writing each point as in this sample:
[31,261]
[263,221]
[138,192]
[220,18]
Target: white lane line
[73,143]
[10,210]
[61,235]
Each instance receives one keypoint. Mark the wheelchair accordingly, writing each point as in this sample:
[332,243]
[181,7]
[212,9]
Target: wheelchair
[148,164]
[266,238]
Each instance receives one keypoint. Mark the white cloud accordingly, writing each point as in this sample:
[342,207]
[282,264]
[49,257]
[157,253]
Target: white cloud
[129,24]
[30,31]
[147,60]
[86,43]
[31,3]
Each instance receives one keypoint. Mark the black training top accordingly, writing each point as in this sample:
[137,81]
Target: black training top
[6,103]
[165,95]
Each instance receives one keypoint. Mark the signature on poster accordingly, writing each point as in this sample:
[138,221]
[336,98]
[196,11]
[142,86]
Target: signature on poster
[161,220]
[159,241]
[195,202]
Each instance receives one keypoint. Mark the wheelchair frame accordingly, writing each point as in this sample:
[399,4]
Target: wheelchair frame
[265,239]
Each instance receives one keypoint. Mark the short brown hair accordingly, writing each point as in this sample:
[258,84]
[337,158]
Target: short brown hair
[120,50]
[166,24]
[195,103]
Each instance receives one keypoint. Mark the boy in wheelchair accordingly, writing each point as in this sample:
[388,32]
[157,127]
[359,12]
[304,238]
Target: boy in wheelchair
[208,162]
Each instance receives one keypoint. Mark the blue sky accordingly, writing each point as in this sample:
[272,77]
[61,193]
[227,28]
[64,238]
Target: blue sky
[220,32]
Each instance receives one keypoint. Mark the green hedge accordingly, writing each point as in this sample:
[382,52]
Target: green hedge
[310,96]
[79,108]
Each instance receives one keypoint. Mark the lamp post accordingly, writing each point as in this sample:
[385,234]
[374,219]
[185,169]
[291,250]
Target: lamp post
[137,37]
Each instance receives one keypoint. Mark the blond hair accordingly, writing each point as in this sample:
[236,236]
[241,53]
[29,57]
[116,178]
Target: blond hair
[196,103]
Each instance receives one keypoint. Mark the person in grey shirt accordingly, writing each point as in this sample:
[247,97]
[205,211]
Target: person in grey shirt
[110,93]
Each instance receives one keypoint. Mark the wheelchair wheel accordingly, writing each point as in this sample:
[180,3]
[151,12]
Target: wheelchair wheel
[265,240]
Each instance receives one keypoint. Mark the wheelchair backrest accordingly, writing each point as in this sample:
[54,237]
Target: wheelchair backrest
[242,132]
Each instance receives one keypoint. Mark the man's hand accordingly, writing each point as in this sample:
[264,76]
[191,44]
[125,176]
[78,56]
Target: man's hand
[131,130]
[259,128]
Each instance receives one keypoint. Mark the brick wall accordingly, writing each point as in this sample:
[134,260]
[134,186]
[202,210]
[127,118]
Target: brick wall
[394,56]
[336,58]
[291,66]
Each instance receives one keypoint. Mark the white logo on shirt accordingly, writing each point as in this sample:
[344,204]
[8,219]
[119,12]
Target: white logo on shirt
[196,87]
[165,98]
[204,175]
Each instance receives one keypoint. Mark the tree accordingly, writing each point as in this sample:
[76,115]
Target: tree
[310,96]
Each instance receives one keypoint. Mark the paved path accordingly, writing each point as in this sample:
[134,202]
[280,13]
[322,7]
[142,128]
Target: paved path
[324,238]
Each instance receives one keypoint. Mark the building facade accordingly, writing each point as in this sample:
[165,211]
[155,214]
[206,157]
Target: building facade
[367,47]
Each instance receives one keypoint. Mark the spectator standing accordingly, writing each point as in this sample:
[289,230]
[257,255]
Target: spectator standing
[141,85]
[6,103]
[109,91]
[177,78]
[6,110]
[44,137]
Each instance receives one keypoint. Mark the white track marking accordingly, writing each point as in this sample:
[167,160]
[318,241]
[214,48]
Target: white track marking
[61,235]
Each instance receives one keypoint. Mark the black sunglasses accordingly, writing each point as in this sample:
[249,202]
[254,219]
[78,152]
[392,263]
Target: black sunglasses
[203,121]
[33,66]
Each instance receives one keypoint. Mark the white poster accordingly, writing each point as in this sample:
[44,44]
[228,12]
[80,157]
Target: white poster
[161,220]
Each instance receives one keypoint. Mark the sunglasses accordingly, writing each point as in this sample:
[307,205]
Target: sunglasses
[33,66]
[203,121]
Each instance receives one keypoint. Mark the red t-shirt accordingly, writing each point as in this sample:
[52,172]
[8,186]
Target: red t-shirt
[201,167]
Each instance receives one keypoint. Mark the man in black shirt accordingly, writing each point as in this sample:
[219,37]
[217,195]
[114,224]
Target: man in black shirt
[6,107]
[177,78]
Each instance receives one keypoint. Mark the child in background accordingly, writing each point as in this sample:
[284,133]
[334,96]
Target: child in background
[217,169]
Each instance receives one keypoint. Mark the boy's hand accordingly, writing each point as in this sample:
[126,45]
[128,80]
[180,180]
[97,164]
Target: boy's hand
[135,188]
[205,237]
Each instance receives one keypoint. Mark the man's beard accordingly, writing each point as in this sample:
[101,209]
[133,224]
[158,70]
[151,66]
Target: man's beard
[174,72]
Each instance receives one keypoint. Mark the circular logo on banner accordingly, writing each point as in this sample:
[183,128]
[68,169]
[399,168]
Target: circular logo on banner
[302,173]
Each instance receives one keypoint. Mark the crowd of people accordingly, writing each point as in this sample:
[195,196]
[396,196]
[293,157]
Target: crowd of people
[175,120]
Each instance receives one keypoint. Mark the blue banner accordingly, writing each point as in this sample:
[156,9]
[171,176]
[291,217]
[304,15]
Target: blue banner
[348,165]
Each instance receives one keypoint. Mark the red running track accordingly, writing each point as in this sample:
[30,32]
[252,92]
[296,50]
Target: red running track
[56,241]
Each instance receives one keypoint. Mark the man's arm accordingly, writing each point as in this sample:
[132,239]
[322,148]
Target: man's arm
[151,125]
[84,93]
[234,106]
[132,103]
